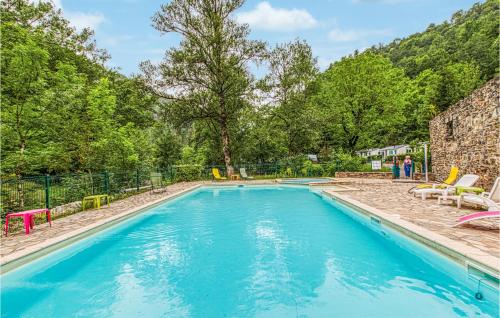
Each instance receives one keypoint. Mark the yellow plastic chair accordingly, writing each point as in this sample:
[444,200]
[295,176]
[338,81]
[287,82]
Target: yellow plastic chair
[216,174]
[452,177]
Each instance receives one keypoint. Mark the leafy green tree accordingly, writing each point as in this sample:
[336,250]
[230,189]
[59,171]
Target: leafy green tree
[167,148]
[135,102]
[63,136]
[24,69]
[99,131]
[423,94]
[459,80]
[206,77]
[362,98]
[292,68]
[261,140]
[62,110]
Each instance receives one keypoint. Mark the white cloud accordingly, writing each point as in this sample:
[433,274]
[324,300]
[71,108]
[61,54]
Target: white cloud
[81,20]
[77,19]
[339,35]
[265,17]
[115,40]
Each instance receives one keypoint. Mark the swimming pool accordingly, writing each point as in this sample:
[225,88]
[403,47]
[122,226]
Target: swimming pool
[242,252]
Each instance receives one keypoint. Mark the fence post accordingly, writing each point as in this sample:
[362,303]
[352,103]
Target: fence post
[137,179]
[106,182]
[47,191]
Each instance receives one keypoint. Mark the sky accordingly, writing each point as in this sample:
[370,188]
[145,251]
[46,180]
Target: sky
[333,28]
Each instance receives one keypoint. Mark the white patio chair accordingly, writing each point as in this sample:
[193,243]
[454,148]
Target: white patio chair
[489,200]
[467,180]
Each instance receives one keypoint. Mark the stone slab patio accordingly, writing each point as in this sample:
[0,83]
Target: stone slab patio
[393,198]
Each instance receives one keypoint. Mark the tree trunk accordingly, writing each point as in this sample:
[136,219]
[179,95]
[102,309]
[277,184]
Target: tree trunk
[225,148]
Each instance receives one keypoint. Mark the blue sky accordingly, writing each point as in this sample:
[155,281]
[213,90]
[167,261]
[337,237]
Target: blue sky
[333,28]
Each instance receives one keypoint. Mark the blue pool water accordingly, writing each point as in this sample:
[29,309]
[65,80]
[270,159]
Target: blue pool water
[239,252]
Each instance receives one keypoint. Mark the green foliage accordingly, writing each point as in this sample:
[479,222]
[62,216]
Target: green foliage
[63,111]
[470,37]
[190,155]
[374,157]
[168,147]
[188,172]
[310,169]
[463,51]
[361,99]
[209,69]
[343,161]
[292,166]
[292,68]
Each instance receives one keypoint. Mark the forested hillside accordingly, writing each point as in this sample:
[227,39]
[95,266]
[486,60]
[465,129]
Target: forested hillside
[465,47]
[63,111]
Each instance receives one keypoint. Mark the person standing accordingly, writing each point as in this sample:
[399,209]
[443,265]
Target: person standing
[395,167]
[407,166]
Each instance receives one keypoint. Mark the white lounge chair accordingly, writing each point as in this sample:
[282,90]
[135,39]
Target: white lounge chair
[489,200]
[467,180]
[243,174]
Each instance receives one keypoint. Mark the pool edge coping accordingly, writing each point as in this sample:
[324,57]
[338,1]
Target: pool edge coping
[31,253]
[459,252]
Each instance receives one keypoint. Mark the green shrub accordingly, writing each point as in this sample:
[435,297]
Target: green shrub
[366,167]
[188,172]
[374,157]
[292,166]
[348,162]
[342,161]
[312,169]
[288,173]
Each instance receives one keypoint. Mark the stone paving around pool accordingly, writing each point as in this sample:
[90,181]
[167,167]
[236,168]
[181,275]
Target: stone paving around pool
[392,198]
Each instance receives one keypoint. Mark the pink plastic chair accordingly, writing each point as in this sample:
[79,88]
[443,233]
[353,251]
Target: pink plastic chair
[28,218]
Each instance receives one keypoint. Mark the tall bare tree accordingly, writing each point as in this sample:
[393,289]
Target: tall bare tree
[206,77]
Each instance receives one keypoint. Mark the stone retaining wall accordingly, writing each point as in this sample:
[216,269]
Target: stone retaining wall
[468,135]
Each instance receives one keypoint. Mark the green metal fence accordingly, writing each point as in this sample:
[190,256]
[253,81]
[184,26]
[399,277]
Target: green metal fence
[50,191]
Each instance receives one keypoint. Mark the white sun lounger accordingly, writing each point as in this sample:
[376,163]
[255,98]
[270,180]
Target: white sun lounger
[467,180]
[489,200]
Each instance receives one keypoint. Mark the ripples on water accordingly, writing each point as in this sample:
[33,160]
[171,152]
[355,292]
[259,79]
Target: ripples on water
[238,253]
